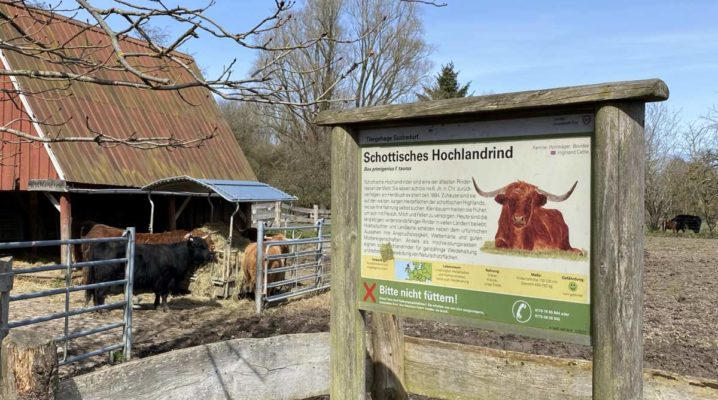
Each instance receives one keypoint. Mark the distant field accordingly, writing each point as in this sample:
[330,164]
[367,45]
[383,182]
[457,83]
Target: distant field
[703,234]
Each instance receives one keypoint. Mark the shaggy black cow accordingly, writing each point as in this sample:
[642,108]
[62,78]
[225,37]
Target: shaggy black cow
[159,268]
[691,222]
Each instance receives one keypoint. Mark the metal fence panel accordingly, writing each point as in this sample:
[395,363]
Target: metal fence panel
[7,274]
[307,263]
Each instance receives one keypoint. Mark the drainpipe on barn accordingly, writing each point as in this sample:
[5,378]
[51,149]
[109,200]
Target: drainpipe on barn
[152,212]
[228,251]
[211,207]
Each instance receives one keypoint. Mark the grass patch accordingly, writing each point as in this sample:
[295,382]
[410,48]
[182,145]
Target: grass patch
[490,247]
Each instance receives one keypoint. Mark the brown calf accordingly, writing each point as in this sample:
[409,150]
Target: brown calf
[249,264]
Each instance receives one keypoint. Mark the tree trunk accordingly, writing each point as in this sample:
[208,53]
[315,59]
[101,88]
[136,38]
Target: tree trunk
[28,366]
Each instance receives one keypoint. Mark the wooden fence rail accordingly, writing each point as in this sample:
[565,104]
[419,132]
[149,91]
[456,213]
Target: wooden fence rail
[281,213]
[279,367]
[297,367]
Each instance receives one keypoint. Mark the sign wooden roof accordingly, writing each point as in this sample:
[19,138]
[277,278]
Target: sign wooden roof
[575,96]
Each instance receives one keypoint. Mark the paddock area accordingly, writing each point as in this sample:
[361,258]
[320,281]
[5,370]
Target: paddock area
[681,290]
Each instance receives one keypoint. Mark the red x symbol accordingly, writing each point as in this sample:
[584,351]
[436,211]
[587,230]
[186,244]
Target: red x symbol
[369,292]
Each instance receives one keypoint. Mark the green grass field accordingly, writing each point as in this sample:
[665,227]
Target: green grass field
[490,247]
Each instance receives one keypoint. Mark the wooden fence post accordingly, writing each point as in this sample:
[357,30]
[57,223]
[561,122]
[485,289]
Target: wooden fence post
[617,240]
[65,224]
[315,213]
[172,213]
[277,213]
[28,366]
[348,348]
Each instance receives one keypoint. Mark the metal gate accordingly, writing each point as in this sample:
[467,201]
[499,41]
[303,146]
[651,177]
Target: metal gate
[302,270]
[8,273]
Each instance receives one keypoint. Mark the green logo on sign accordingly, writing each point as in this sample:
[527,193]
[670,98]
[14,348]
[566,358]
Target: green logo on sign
[572,286]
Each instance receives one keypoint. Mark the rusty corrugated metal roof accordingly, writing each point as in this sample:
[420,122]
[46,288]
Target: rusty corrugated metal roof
[79,108]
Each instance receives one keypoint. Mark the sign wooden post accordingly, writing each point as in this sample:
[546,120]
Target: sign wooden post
[347,334]
[418,231]
[617,271]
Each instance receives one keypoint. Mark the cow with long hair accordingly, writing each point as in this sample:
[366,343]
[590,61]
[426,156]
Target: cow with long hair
[158,268]
[524,223]
[249,264]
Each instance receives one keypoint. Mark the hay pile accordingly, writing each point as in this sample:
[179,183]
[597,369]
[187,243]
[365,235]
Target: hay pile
[202,283]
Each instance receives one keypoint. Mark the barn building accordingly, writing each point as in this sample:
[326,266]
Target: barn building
[44,187]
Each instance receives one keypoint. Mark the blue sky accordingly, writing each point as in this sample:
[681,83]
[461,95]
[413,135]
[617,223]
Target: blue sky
[519,45]
[505,46]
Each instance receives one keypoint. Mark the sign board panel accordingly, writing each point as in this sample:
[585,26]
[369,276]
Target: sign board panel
[486,223]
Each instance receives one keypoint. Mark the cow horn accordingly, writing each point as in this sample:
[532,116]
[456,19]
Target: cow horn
[487,194]
[553,197]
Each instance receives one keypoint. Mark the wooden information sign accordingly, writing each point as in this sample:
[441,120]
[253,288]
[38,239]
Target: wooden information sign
[518,212]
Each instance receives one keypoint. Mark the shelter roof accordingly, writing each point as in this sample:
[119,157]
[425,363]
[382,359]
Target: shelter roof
[84,109]
[232,191]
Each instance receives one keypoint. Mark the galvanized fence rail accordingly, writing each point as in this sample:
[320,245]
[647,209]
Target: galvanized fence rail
[8,273]
[304,269]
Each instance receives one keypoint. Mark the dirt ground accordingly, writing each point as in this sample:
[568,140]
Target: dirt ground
[680,323]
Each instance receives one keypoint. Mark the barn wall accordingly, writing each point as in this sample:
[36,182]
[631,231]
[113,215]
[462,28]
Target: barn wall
[31,216]
[19,162]
[27,216]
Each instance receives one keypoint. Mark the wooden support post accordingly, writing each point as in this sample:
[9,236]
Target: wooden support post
[617,240]
[245,211]
[348,348]
[315,213]
[277,213]
[181,208]
[28,366]
[172,213]
[65,224]
[34,218]
[388,357]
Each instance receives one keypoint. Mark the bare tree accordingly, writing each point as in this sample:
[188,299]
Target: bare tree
[309,76]
[660,129]
[710,122]
[378,46]
[398,60]
[250,131]
[701,145]
[677,187]
[158,65]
